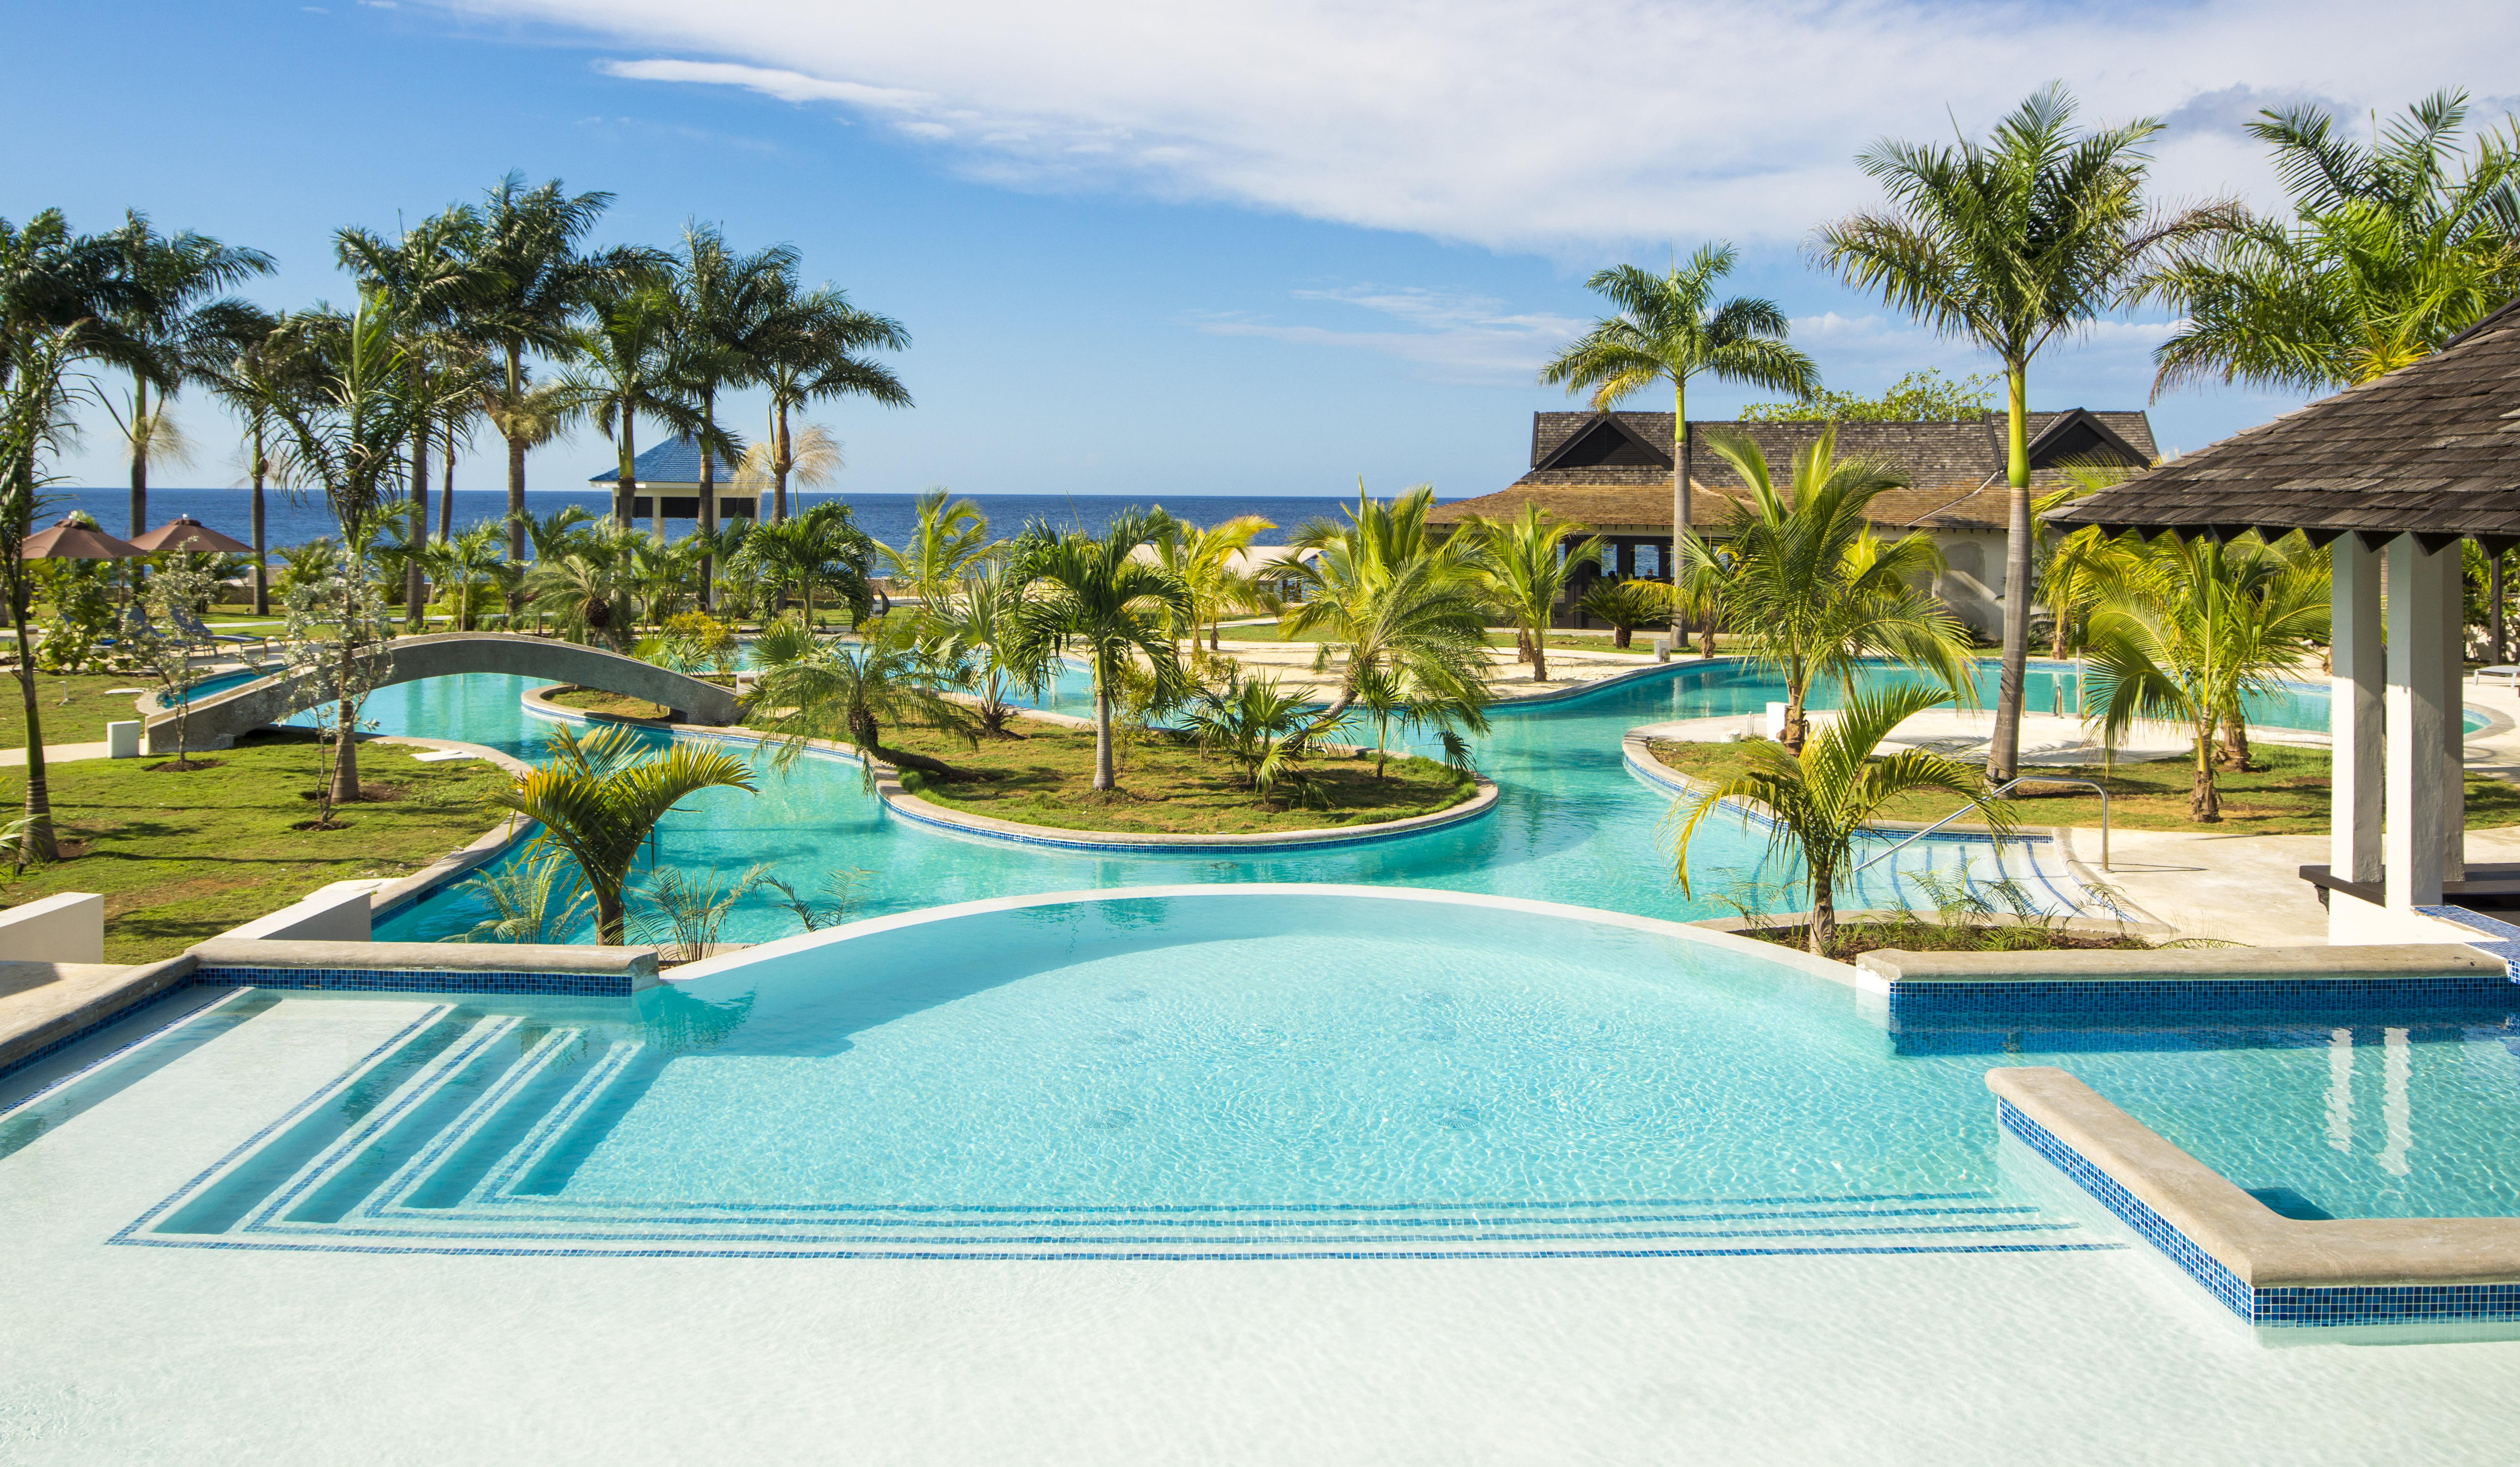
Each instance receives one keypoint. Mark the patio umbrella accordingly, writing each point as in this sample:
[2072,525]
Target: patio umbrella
[186,534]
[70,541]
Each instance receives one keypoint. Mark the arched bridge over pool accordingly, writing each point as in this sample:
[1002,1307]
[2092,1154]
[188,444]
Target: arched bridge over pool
[218,718]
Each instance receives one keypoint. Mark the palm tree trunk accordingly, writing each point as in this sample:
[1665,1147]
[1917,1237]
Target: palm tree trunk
[2004,752]
[608,913]
[1104,779]
[415,592]
[2236,741]
[2204,802]
[625,484]
[447,486]
[138,454]
[1679,504]
[1822,931]
[516,461]
[1540,652]
[708,495]
[346,745]
[781,462]
[39,790]
[262,552]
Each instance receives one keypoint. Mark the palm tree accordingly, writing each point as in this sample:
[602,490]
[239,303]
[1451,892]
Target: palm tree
[532,288]
[346,426]
[179,326]
[549,536]
[587,588]
[426,281]
[2007,245]
[459,565]
[37,400]
[726,318]
[1378,594]
[600,792]
[1262,729]
[951,535]
[1208,562]
[811,353]
[1525,565]
[2193,628]
[1094,593]
[1626,605]
[624,366]
[810,689]
[978,639]
[2390,254]
[274,365]
[821,548]
[1668,330]
[1811,589]
[664,572]
[1386,696]
[1820,800]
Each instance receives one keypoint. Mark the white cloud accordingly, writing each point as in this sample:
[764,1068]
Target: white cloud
[1452,337]
[1559,125]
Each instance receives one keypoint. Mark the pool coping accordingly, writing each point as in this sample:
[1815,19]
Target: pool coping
[2267,1269]
[906,806]
[1786,957]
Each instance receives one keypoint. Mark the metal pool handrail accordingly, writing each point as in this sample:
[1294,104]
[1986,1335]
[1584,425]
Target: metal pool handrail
[2027,779]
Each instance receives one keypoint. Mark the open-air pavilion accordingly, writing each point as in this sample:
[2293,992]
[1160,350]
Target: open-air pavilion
[2391,476]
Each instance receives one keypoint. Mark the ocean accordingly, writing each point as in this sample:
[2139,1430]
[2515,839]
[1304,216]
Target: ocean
[889,517]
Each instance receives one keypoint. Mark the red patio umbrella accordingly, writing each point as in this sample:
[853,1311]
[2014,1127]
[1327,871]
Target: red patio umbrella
[186,534]
[71,541]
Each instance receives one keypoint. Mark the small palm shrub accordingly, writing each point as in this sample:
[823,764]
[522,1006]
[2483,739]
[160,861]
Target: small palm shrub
[1627,605]
[1263,730]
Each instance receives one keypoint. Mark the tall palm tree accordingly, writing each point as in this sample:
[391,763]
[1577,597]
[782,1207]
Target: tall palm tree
[182,328]
[623,366]
[1819,798]
[951,535]
[599,795]
[1095,594]
[2195,627]
[1209,562]
[272,365]
[425,280]
[726,316]
[37,402]
[1810,591]
[533,285]
[1668,330]
[811,353]
[1526,566]
[1378,594]
[2007,245]
[2390,252]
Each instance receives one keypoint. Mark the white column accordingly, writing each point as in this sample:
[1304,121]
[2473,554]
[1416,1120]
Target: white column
[2413,843]
[2454,606]
[2355,712]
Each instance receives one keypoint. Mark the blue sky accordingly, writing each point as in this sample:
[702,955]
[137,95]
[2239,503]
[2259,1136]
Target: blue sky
[1145,250]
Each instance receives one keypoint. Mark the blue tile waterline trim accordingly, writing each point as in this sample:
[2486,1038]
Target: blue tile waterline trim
[2502,940]
[2278,1307]
[56,1046]
[127,1238]
[2138,1000]
[425,981]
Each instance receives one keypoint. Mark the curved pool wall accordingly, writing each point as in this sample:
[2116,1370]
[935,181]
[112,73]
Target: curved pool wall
[1572,825]
[1268,1071]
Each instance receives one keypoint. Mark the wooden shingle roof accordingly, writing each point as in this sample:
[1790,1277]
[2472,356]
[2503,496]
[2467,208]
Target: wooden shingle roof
[1955,468]
[2432,449]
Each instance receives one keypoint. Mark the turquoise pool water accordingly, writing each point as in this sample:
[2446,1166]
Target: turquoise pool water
[1291,1071]
[1572,824]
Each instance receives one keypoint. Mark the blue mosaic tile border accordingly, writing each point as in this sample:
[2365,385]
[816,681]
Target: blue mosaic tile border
[56,1046]
[425,981]
[1924,1000]
[1254,848]
[2293,1307]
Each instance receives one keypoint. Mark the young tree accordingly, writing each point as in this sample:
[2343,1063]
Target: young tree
[1668,330]
[163,645]
[1379,594]
[598,794]
[1627,605]
[1810,591]
[337,642]
[1820,800]
[809,689]
[1095,594]
[1209,562]
[1526,566]
[977,639]
[1263,730]
[951,536]
[2007,245]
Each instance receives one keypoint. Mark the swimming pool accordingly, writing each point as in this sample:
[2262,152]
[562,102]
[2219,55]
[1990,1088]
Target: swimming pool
[1572,825]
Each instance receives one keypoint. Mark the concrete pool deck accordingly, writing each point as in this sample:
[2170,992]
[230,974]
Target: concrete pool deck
[121,1354]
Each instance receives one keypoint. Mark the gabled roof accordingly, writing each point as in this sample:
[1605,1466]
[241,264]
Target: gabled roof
[1948,463]
[2432,449]
[2077,436]
[675,461]
[1608,440]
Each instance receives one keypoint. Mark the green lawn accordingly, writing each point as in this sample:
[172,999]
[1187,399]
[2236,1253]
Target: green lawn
[73,707]
[183,856]
[2289,796]
[1045,778]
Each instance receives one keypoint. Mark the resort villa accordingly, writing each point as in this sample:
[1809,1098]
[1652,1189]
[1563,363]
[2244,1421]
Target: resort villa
[1612,470]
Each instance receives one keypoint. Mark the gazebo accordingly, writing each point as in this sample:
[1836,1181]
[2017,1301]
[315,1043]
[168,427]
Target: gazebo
[2390,477]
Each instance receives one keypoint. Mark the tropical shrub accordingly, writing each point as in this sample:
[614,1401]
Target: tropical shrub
[1627,605]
